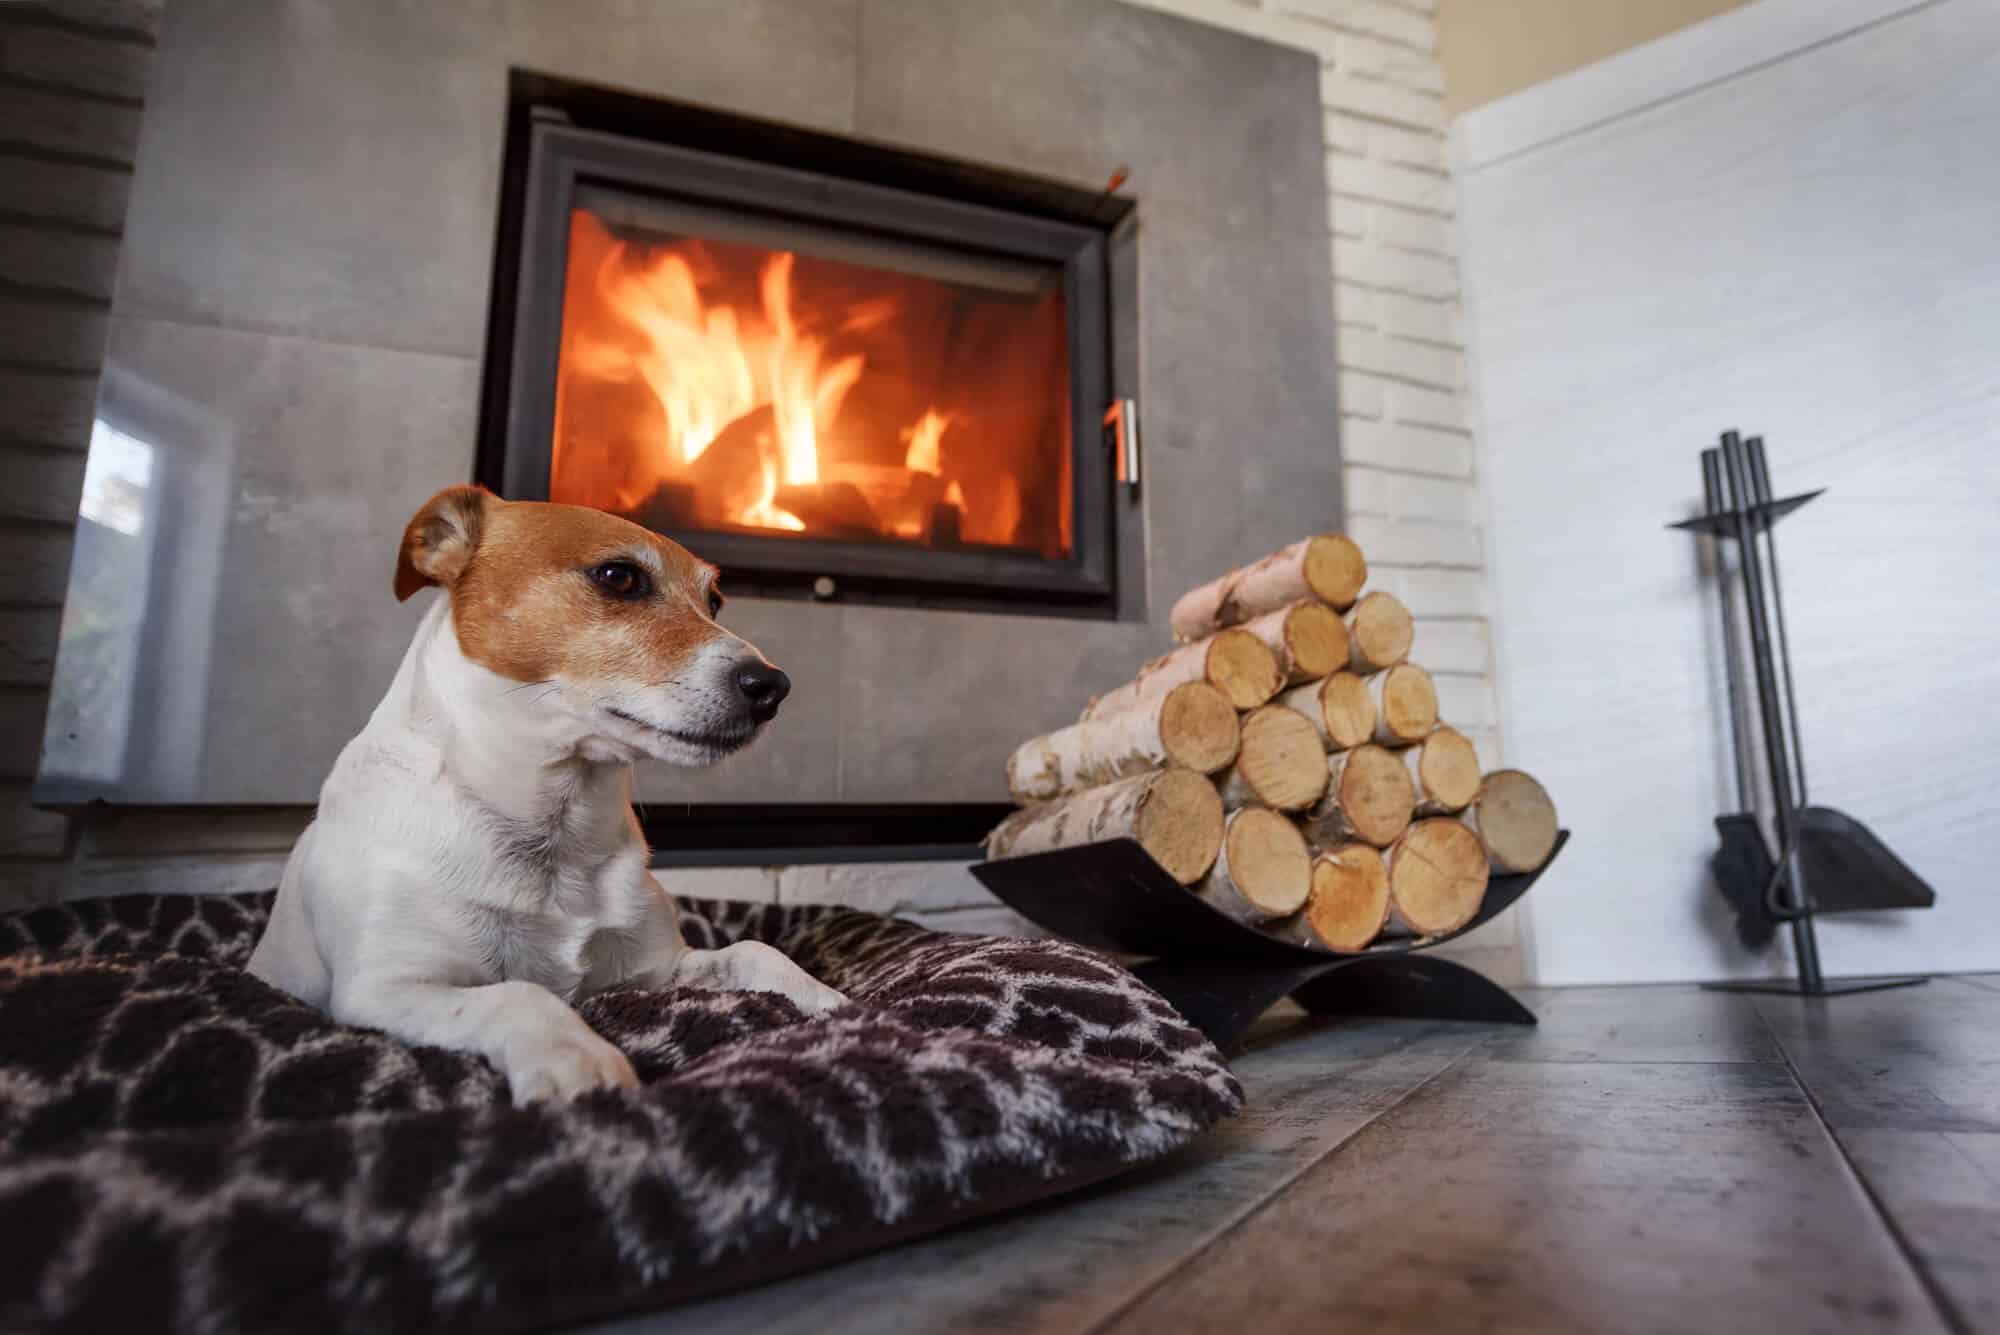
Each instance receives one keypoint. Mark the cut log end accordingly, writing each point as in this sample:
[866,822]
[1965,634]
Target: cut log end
[1180,824]
[1347,711]
[1437,877]
[1242,668]
[1315,641]
[1198,727]
[1515,821]
[1350,898]
[1281,762]
[1264,870]
[1406,704]
[1308,639]
[1335,569]
[1369,799]
[1445,767]
[1379,632]
[1339,706]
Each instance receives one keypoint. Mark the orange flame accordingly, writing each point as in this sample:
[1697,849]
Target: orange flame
[693,358]
[698,386]
[803,398]
[763,514]
[924,455]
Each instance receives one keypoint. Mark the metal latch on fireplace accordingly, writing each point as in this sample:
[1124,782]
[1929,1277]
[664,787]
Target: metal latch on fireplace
[1121,437]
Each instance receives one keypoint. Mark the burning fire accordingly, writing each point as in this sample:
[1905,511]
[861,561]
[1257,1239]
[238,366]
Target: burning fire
[923,438]
[699,387]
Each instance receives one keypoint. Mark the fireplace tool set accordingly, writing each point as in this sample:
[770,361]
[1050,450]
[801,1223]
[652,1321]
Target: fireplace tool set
[1827,862]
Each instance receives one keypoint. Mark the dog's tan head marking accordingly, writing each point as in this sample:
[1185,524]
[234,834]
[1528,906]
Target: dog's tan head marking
[539,591]
[622,619]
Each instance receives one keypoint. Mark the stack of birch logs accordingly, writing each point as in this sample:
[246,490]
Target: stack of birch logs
[1287,764]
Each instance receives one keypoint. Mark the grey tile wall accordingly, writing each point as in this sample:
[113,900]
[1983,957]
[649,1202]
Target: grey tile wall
[305,285]
[331,169]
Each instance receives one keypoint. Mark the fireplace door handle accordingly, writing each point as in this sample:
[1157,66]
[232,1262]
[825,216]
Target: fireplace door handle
[1121,437]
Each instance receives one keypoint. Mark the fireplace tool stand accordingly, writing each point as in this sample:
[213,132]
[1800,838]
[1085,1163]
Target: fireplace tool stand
[1222,975]
[1827,861]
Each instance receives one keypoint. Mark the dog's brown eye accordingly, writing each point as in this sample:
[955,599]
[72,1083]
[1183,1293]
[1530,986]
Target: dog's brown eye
[715,602]
[621,579]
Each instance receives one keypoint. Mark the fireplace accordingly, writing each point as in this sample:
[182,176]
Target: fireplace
[885,382]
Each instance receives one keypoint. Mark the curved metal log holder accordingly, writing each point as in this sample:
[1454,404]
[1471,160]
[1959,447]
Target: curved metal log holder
[1827,862]
[1221,974]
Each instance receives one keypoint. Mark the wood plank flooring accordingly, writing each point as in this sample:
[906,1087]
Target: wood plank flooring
[1656,1158]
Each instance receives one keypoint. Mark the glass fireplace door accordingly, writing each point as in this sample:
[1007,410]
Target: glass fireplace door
[724,373]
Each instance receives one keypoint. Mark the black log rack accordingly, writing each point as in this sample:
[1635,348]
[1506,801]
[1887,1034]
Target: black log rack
[1827,861]
[1222,974]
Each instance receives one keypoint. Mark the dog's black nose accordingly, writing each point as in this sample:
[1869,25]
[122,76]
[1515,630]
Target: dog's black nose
[764,688]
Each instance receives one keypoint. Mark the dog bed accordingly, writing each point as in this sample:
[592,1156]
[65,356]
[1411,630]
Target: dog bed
[184,1147]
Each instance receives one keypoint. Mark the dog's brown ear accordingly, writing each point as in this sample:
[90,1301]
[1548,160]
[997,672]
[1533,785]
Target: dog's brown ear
[439,543]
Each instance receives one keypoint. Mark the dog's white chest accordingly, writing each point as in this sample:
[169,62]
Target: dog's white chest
[562,927]
[539,948]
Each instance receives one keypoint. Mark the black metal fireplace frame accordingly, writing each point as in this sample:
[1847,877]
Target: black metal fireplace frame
[560,157]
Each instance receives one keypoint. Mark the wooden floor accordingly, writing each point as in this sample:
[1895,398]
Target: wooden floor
[1657,1159]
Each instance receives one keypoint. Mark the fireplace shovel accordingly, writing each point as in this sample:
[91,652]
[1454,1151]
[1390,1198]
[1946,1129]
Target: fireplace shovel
[1846,870]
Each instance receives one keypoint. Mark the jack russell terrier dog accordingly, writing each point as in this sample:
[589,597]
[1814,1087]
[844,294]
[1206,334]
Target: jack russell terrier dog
[475,866]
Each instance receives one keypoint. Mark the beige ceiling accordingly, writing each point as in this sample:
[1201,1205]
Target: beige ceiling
[1490,48]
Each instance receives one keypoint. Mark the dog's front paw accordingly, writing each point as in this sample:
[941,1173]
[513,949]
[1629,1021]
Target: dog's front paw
[752,966]
[814,997]
[563,1066]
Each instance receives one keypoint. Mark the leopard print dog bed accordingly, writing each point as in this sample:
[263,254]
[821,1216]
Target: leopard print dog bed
[183,1147]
